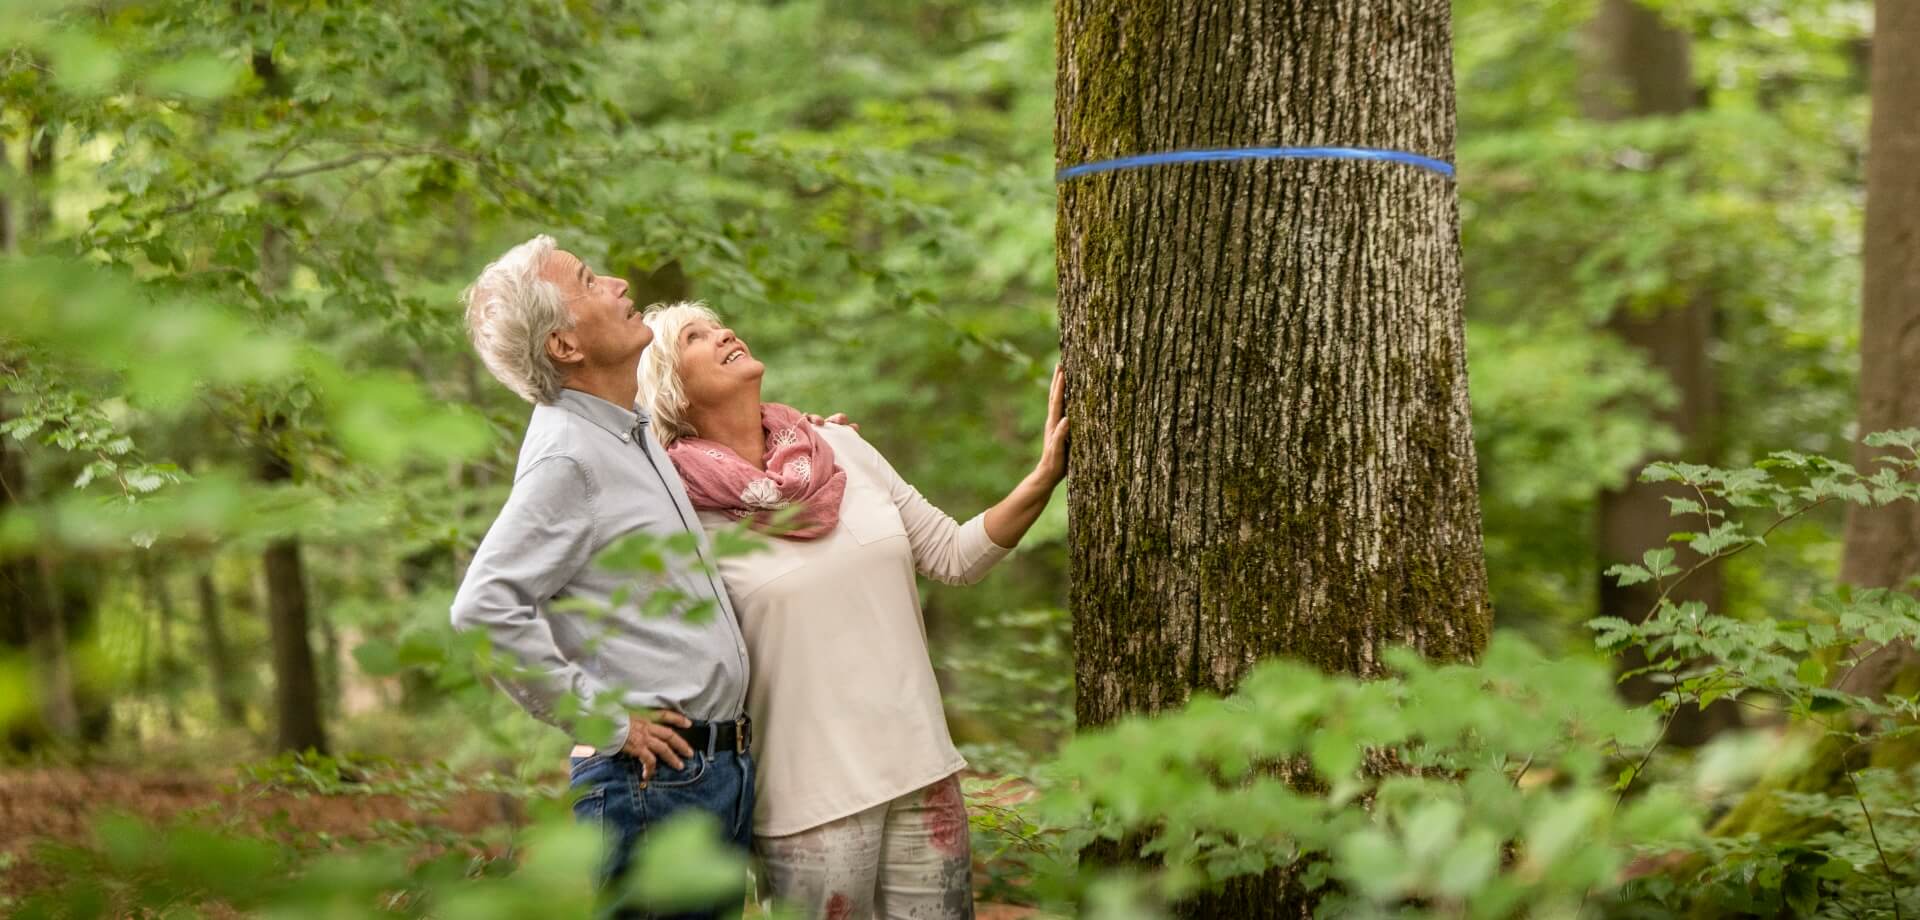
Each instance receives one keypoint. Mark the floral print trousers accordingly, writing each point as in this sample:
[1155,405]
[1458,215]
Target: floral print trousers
[908,859]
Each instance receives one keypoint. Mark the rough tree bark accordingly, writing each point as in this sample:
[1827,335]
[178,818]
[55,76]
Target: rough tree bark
[1638,66]
[1266,365]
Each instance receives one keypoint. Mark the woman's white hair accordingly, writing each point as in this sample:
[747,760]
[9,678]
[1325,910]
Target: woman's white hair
[511,312]
[660,384]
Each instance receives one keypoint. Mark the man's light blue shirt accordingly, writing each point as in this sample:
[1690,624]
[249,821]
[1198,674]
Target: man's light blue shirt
[590,473]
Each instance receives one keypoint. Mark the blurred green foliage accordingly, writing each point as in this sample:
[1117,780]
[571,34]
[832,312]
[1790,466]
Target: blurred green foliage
[240,228]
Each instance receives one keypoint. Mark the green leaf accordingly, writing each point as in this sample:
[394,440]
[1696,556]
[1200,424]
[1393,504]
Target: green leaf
[200,76]
[1660,561]
[1335,754]
[377,657]
[1812,672]
[1629,575]
[683,864]
[1369,861]
[1469,864]
[1432,829]
[82,64]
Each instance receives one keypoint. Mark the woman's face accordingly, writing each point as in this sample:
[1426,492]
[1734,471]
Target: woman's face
[715,365]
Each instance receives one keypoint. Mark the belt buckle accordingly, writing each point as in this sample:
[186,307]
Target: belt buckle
[740,735]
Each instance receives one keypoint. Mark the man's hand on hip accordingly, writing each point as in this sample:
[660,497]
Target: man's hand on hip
[651,739]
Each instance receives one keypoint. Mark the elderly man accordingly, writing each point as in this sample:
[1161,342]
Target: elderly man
[671,688]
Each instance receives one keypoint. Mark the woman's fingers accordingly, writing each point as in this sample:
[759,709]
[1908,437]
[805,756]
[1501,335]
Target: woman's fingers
[1056,396]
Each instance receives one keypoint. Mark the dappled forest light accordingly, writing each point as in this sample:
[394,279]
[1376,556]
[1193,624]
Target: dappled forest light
[1492,470]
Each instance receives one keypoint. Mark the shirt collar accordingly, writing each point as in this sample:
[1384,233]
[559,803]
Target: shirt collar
[621,423]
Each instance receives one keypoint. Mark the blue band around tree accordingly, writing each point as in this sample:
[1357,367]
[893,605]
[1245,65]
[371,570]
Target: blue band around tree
[1256,153]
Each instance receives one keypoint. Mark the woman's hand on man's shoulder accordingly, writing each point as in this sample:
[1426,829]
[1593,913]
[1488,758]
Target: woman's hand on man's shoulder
[838,418]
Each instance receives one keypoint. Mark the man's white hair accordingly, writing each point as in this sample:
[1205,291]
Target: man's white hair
[511,312]
[660,385]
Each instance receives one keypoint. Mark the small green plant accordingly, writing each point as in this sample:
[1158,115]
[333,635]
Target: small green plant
[1519,785]
[1829,833]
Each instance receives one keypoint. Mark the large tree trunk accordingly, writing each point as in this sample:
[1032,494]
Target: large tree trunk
[1266,365]
[1883,543]
[1638,67]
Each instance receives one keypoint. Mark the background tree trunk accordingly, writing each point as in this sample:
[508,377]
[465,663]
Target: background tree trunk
[1272,451]
[1883,544]
[30,620]
[296,692]
[166,665]
[226,684]
[37,217]
[49,642]
[1639,66]
[296,678]
[46,608]
[9,233]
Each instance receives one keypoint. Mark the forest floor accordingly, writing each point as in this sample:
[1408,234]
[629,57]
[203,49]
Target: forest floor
[61,804]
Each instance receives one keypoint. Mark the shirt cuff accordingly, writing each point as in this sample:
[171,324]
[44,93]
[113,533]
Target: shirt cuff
[619,738]
[977,548]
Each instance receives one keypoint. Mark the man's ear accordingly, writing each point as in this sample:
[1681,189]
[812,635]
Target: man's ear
[564,348]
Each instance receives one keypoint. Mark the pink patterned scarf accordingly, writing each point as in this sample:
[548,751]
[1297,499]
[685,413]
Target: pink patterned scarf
[800,473]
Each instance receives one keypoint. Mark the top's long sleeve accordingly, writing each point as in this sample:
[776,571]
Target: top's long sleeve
[943,549]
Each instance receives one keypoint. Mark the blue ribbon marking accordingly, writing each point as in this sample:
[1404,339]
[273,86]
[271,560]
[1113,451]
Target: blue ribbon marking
[1257,153]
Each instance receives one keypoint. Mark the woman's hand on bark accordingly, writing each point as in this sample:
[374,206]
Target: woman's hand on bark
[1053,445]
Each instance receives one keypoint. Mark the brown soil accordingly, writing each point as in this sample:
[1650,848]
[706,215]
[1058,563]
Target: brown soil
[61,805]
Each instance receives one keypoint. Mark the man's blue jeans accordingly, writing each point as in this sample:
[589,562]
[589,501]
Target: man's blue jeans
[615,798]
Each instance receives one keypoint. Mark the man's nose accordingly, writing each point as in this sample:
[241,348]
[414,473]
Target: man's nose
[623,287]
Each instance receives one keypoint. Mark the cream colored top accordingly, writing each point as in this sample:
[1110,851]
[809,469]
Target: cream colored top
[846,712]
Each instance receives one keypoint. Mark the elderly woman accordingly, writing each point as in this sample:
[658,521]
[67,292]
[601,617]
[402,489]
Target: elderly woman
[859,810]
